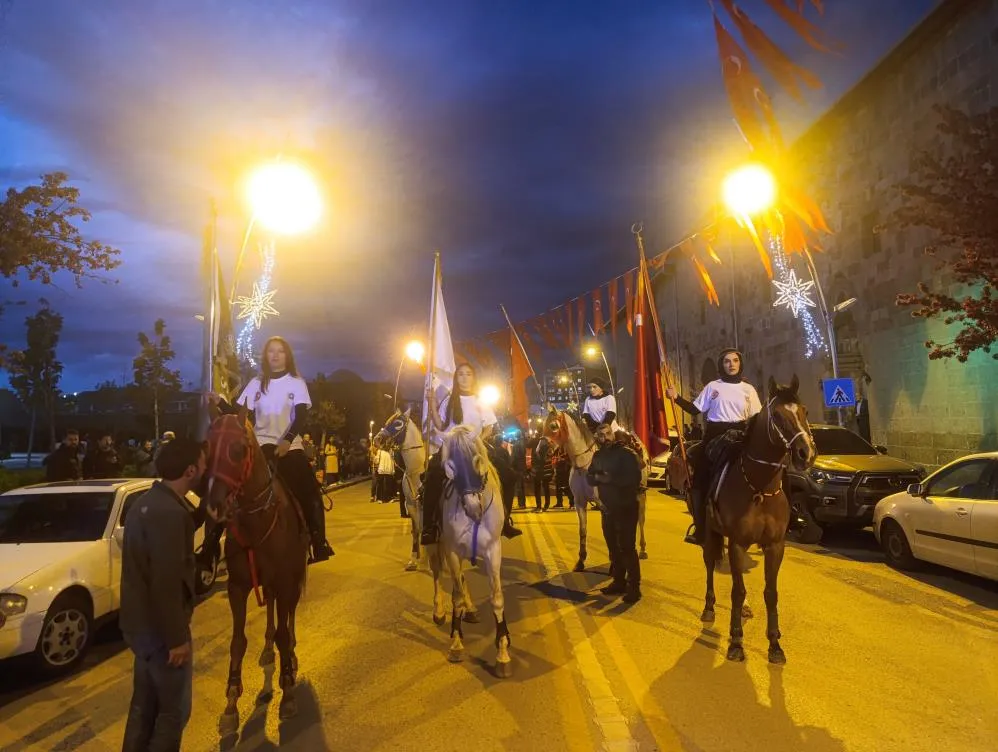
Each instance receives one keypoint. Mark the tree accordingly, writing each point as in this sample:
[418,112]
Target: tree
[326,417]
[952,192]
[152,376]
[38,234]
[35,372]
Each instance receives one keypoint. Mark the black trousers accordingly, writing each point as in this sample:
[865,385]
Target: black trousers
[542,486]
[295,470]
[620,527]
[160,706]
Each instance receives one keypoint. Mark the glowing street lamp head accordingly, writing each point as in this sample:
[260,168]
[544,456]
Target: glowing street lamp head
[284,198]
[749,190]
[489,395]
[414,351]
[591,351]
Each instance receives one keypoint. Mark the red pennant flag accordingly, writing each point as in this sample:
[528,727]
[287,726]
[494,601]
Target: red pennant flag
[598,310]
[581,319]
[570,313]
[532,349]
[745,92]
[521,371]
[547,336]
[612,289]
[650,423]
[807,30]
[629,279]
[558,325]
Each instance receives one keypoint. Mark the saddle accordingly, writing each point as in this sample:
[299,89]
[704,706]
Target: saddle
[721,452]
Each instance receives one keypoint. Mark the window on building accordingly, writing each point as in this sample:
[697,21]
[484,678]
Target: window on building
[869,237]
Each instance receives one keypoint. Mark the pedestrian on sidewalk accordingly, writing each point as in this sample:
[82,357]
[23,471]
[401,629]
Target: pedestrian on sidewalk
[332,460]
[616,470]
[157,600]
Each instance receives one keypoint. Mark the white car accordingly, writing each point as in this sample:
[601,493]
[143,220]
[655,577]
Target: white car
[658,470]
[60,566]
[950,518]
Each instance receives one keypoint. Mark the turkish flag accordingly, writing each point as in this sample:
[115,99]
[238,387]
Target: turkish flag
[521,371]
[650,424]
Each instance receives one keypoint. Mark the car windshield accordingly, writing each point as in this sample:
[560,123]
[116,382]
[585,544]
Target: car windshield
[840,441]
[54,517]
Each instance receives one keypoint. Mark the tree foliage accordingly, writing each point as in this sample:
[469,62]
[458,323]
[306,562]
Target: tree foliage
[153,375]
[327,417]
[39,234]
[952,192]
[35,371]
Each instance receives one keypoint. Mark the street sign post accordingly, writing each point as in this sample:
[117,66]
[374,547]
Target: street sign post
[839,392]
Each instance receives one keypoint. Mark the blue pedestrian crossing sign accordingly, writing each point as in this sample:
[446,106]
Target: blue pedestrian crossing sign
[839,392]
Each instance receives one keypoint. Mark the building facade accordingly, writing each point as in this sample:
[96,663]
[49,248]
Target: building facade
[851,160]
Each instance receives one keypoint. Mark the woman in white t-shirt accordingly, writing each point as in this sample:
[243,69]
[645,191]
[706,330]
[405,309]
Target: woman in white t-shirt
[278,402]
[600,406]
[463,407]
[725,403]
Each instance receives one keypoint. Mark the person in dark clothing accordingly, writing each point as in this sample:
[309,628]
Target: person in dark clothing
[863,418]
[616,470]
[64,462]
[726,404]
[503,463]
[518,451]
[157,600]
[543,473]
[102,461]
[562,469]
[144,465]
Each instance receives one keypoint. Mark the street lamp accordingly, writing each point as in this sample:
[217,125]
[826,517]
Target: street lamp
[593,351]
[284,198]
[414,351]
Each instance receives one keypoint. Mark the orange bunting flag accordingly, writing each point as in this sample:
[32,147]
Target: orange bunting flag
[558,325]
[706,282]
[782,68]
[629,279]
[520,371]
[547,336]
[570,313]
[804,28]
[598,310]
[581,319]
[612,288]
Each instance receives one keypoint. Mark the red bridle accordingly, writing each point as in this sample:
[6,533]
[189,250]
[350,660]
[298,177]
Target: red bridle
[226,435]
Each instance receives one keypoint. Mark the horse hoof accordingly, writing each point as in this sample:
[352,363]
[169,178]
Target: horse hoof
[455,655]
[288,708]
[736,653]
[747,612]
[643,555]
[267,657]
[580,566]
[777,656]
[471,617]
[228,724]
[504,670]
[707,617]
[439,618]
[412,566]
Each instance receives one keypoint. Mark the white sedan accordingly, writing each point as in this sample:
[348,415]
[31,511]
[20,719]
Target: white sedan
[60,566]
[950,518]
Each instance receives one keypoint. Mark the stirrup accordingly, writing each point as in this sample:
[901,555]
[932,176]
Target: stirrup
[692,536]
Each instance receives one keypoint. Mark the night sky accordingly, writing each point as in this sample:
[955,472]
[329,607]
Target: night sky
[521,139]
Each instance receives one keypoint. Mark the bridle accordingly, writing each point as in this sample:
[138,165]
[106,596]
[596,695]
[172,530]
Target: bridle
[393,431]
[226,434]
[771,426]
[562,423]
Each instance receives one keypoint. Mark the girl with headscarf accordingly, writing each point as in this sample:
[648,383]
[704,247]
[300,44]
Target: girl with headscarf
[600,406]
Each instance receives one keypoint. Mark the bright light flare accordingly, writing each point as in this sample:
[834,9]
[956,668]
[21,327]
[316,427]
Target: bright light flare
[489,395]
[284,198]
[749,190]
[591,351]
[415,351]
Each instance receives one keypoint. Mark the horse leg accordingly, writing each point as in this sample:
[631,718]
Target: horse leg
[582,510]
[267,654]
[415,513]
[436,564]
[711,544]
[228,723]
[774,558]
[642,510]
[492,564]
[288,707]
[456,653]
[735,557]
[470,612]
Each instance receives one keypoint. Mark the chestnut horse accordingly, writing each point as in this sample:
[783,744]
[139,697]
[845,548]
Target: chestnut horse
[266,547]
[749,507]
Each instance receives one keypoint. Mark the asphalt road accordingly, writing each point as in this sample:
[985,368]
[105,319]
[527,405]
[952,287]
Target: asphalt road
[878,660]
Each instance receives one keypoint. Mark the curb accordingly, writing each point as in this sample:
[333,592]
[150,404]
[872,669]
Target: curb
[347,484]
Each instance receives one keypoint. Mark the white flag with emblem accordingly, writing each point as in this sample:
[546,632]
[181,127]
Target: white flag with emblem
[440,369]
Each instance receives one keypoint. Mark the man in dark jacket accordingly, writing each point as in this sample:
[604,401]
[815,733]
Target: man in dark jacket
[616,471]
[64,462]
[157,600]
[102,461]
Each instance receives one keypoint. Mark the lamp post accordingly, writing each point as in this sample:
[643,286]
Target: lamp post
[593,350]
[414,351]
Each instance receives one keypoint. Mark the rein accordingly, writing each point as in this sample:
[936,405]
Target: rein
[758,495]
[563,425]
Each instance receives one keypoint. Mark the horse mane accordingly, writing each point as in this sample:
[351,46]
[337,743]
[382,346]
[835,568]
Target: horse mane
[463,440]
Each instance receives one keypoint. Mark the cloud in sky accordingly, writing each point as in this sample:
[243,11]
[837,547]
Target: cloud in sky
[521,139]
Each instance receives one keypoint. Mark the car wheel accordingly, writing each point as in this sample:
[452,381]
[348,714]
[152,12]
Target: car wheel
[204,579]
[895,545]
[811,532]
[66,634]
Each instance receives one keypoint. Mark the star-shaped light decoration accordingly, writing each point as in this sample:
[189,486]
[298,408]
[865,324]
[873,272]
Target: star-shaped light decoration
[257,306]
[794,294]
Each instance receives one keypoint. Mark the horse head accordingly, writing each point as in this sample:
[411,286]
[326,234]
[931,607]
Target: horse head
[392,434]
[788,421]
[232,455]
[466,465]
[555,428]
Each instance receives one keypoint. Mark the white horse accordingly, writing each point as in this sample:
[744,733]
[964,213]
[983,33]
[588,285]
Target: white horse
[400,432]
[573,435]
[472,517]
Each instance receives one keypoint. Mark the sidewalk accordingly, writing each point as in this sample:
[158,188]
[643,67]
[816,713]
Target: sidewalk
[346,484]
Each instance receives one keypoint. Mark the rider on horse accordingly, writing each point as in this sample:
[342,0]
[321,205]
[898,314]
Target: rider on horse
[727,404]
[462,408]
[278,402]
[600,406]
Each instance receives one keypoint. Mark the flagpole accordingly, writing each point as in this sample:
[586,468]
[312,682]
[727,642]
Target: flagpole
[208,339]
[430,363]
[653,310]
[526,357]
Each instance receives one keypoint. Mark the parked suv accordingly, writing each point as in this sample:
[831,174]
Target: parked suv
[845,483]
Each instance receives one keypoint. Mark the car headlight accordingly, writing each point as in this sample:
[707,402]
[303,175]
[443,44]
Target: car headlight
[827,476]
[12,605]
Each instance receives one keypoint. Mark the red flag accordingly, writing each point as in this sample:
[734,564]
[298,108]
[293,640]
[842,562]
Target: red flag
[807,30]
[547,336]
[598,324]
[629,300]
[650,423]
[612,288]
[532,349]
[581,320]
[570,313]
[521,371]
[559,326]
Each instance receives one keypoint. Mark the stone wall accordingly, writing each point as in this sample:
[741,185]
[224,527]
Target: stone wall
[928,411]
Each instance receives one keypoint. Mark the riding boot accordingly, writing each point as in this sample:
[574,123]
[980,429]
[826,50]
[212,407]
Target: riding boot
[509,530]
[695,533]
[432,493]
[211,549]
[321,550]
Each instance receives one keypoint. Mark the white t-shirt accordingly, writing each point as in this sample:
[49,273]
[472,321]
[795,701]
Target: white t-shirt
[598,408]
[476,416]
[275,410]
[721,402]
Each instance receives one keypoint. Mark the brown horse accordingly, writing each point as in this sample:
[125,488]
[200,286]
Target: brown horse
[266,547]
[750,507]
